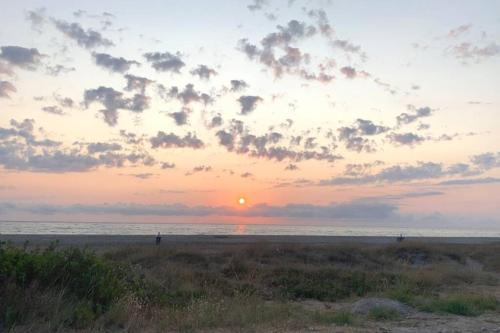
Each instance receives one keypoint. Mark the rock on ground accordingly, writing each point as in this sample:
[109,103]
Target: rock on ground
[365,305]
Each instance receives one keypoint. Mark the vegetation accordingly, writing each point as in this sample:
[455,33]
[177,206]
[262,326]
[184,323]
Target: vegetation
[382,313]
[238,287]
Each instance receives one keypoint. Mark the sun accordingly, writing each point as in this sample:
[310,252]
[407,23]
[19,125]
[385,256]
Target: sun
[242,201]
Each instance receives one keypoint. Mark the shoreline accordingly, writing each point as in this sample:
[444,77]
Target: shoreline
[108,240]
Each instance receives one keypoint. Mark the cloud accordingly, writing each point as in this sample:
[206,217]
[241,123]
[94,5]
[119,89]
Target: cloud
[399,173]
[467,51]
[37,17]
[414,114]
[145,175]
[458,31]
[187,95]
[166,165]
[277,52]
[249,103]
[200,168]
[53,109]
[405,139]
[22,149]
[295,183]
[473,181]
[113,100]
[407,195]
[257,4]
[6,88]
[163,140]
[165,62]
[113,64]
[58,70]
[349,72]
[88,39]
[101,147]
[238,85]
[203,72]
[291,167]
[349,210]
[137,83]
[64,102]
[236,138]
[353,136]
[246,175]
[180,117]
[21,56]
[216,121]
[486,161]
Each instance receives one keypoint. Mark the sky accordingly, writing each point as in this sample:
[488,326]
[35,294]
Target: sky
[315,112]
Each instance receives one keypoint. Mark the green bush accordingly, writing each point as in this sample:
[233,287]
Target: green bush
[80,275]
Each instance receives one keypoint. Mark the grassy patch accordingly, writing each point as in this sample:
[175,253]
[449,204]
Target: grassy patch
[383,313]
[237,287]
[328,284]
[463,305]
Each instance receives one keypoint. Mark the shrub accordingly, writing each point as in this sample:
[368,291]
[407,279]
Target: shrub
[463,305]
[329,284]
[80,275]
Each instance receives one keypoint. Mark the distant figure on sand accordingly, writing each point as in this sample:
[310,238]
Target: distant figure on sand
[158,239]
[400,238]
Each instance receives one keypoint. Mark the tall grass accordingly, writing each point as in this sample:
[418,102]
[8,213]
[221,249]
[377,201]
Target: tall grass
[198,287]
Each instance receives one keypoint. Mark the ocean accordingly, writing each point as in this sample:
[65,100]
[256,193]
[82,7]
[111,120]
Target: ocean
[108,228]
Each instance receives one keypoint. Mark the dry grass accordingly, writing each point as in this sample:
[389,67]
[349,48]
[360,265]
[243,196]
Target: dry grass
[247,287]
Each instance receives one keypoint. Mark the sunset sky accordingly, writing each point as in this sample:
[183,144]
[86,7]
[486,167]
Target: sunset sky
[316,112]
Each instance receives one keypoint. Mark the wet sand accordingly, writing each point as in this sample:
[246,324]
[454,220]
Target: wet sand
[120,240]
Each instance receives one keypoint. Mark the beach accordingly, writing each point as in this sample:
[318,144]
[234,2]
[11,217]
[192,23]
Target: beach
[124,240]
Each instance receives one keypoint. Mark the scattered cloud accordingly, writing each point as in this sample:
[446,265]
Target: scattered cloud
[257,4]
[163,140]
[347,210]
[167,165]
[53,109]
[459,31]
[6,88]
[249,103]
[113,64]
[403,173]
[113,100]
[471,181]
[88,39]
[180,117]
[26,58]
[165,62]
[204,72]
[238,85]
[414,114]
[405,139]
[467,51]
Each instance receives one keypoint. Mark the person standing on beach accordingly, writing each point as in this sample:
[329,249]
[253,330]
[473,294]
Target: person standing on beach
[158,239]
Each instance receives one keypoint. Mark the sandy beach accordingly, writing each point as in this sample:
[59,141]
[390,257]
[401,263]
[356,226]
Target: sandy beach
[120,240]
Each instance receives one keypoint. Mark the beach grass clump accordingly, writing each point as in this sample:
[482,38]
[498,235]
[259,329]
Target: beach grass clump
[239,312]
[83,277]
[328,284]
[463,305]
